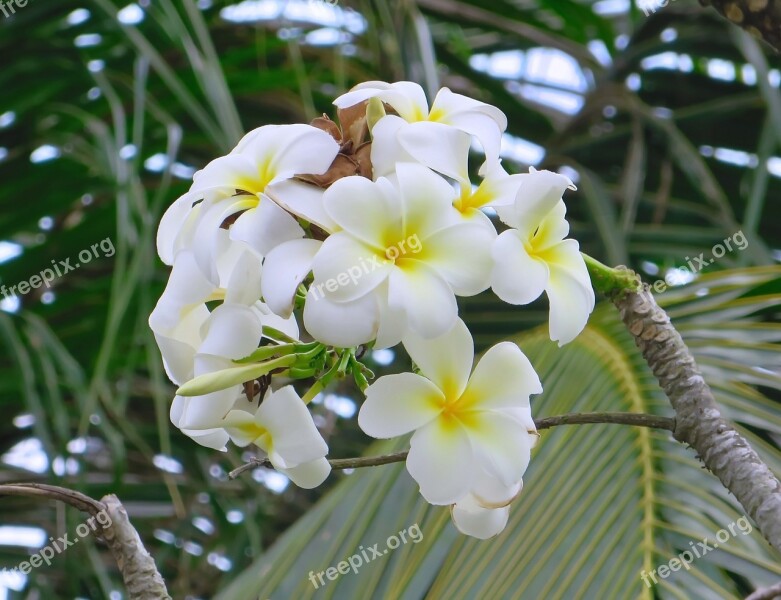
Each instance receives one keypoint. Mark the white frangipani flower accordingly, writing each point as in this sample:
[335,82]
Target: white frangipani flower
[497,189]
[534,256]
[283,427]
[402,243]
[468,438]
[255,182]
[438,137]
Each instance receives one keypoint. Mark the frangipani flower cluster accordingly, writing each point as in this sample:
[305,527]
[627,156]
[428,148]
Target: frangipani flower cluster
[308,244]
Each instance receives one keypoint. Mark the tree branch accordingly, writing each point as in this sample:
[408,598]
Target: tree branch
[774,591]
[761,18]
[698,421]
[640,420]
[141,577]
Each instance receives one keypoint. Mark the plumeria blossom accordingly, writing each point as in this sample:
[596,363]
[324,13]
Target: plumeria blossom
[469,445]
[252,181]
[366,229]
[406,246]
[533,256]
[283,427]
[438,137]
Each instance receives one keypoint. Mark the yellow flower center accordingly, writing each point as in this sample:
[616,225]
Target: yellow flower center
[258,184]
[473,200]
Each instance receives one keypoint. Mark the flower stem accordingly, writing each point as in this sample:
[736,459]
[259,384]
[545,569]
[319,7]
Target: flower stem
[316,388]
[609,280]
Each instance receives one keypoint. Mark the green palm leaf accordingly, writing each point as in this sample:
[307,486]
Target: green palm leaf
[601,503]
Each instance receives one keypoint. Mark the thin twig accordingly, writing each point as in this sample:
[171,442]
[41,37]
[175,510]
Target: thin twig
[53,492]
[637,419]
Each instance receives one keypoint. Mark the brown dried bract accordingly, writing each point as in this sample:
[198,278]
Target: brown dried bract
[354,156]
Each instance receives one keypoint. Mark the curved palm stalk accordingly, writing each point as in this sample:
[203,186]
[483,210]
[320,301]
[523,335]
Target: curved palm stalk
[141,577]
[698,421]
[762,18]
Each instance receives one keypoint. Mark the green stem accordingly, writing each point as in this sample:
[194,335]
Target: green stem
[276,334]
[609,280]
[316,388]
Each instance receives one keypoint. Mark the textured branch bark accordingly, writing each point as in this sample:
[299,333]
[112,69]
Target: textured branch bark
[141,577]
[761,18]
[768,593]
[698,421]
[142,580]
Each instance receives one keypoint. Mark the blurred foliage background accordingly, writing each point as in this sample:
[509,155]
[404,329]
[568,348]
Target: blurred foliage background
[670,124]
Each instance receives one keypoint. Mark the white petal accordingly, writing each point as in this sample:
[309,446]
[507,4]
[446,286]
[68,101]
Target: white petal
[179,221]
[503,378]
[292,150]
[553,228]
[483,121]
[440,147]
[406,97]
[446,360]
[362,91]
[454,105]
[489,492]
[285,267]
[235,171]
[539,194]
[303,200]
[209,410]
[177,358]
[480,523]
[427,201]
[265,227]
[426,298]
[387,151]
[233,331]
[187,287]
[341,324]
[244,280]
[364,209]
[240,426]
[517,277]
[501,445]
[177,409]
[211,438]
[398,404]
[346,269]
[310,474]
[286,325]
[498,188]
[294,435]
[569,292]
[392,321]
[211,241]
[462,255]
[442,462]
